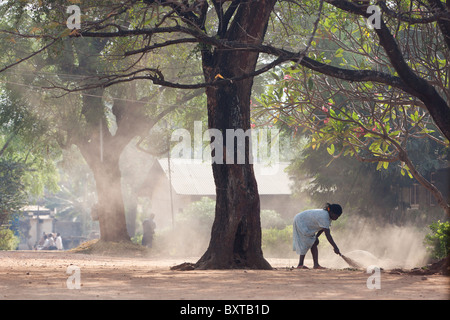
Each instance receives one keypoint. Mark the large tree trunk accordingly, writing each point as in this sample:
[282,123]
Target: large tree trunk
[111,211]
[110,206]
[236,232]
[102,152]
[131,212]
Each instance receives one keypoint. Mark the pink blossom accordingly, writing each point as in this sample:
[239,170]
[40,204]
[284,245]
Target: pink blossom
[359,132]
[324,109]
[326,121]
[287,77]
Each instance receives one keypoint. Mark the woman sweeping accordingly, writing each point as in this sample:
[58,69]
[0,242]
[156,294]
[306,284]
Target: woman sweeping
[308,226]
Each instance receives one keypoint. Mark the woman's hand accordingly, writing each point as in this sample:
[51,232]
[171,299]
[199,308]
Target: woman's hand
[331,241]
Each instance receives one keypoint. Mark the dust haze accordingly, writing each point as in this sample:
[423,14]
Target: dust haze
[385,246]
[388,246]
[365,241]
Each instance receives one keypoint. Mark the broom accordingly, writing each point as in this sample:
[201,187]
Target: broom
[351,262]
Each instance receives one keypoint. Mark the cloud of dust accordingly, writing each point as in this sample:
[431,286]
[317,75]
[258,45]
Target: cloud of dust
[369,242]
[364,240]
[182,241]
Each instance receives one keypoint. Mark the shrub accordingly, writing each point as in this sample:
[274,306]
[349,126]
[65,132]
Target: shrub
[137,239]
[277,242]
[8,241]
[437,240]
[198,215]
[272,219]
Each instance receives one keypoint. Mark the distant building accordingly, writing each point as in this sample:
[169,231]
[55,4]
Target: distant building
[35,220]
[190,180]
[417,197]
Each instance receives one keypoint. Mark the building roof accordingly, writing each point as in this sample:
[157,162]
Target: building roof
[193,177]
[35,208]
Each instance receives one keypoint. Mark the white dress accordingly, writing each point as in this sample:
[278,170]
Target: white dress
[306,225]
[59,244]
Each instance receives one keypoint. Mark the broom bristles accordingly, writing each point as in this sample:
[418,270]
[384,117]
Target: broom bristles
[351,262]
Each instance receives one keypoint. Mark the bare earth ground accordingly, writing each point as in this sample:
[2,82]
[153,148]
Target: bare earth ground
[43,275]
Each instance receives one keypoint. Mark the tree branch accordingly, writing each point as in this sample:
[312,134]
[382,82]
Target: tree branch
[419,87]
[443,22]
[406,17]
[161,45]
[29,56]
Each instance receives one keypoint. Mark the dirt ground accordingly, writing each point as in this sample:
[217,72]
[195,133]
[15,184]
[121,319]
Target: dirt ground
[43,275]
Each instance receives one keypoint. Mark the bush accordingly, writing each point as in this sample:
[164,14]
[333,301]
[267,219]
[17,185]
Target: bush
[437,240]
[272,219]
[198,215]
[8,241]
[137,239]
[277,242]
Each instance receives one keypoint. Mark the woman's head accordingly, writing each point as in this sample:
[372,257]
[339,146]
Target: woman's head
[335,210]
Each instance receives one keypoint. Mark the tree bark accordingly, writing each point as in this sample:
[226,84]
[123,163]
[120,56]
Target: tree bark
[110,206]
[102,152]
[236,231]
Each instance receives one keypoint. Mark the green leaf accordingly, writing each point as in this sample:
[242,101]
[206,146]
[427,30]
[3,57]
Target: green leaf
[310,83]
[375,146]
[394,133]
[380,164]
[275,76]
[331,149]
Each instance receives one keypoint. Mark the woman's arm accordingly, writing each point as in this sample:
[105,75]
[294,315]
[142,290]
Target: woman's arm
[331,241]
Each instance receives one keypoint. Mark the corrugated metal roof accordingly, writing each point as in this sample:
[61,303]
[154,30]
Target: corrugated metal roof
[35,208]
[193,177]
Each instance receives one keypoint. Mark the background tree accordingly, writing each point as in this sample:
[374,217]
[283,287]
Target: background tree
[100,124]
[26,160]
